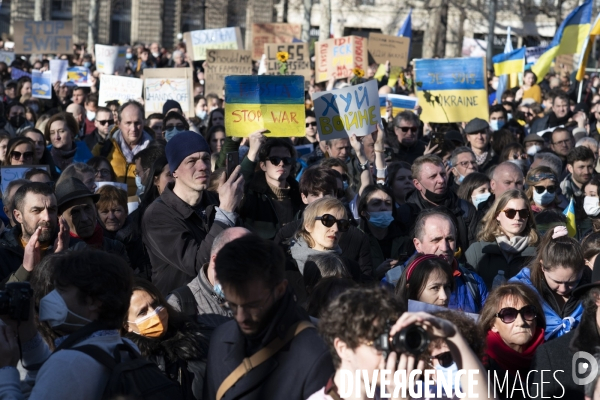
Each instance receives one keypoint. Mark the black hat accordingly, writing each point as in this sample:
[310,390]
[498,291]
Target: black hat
[169,105]
[595,280]
[455,136]
[71,189]
[476,125]
[533,137]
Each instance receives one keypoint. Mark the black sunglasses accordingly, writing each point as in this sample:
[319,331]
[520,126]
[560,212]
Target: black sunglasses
[178,126]
[541,189]
[508,315]
[17,155]
[328,220]
[276,160]
[510,213]
[106,121]
[314,123]
[445,359]
[407,128]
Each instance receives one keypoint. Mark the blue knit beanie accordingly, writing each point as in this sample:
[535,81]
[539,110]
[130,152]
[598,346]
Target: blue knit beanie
[182,145]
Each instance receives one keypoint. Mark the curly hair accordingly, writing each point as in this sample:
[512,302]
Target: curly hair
[356,316]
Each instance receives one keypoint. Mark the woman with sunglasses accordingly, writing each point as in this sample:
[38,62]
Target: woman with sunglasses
[174,123]
[61,131]
[513,322]
[555,274]
[542,185]
[20,151]
[507,238]
[515,153]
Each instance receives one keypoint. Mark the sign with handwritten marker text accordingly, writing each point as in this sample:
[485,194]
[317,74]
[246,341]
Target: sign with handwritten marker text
[275,103]
[120,88]
[351,110]
[222,63]
[7,57]
[79,76]
[272,33]
[41,85]
[399,103]
[110,59]
[452,90]
[162,84]
[298,62]
[43,37]
[389,48]
[336,58]
[223,38]
[59,70]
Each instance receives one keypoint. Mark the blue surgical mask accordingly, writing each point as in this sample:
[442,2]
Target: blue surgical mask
[201,114]
[496,124]
[509,116]
[449,373]
[171,133]
[218,289]
[140,187]
[460,179]
[480,198]
[381,219]
[345,184]
[87,64]
[543,199]
[129,56]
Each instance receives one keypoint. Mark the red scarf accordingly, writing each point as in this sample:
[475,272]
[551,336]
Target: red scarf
[509,359]
[96,240]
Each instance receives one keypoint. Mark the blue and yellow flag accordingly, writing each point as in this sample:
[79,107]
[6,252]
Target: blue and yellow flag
[569,212]
[509,63]
[587,48]
[569,38]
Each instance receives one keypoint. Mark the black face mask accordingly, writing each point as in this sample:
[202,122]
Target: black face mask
[435,197]
[17,120]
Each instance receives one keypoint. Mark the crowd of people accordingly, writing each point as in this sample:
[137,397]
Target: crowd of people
[270,279]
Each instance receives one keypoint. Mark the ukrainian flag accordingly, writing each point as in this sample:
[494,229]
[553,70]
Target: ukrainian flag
[587,48]
[569,212]
[569,38]
[509,63]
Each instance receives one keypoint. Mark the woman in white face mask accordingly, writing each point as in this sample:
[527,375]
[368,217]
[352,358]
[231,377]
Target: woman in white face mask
[542,186]
[591,204]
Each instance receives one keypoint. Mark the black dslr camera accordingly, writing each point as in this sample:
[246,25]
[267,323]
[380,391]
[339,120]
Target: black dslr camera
[413,339]
[15,300]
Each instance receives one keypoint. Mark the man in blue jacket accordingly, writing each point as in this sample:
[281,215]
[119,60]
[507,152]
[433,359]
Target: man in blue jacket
[435,233]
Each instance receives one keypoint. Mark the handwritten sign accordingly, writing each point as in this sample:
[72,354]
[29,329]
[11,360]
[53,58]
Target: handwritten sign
[275,103]
[41,85]
[336,58]
[79,76]
[392,48]
[398,102]
[110,59]
[351,110]
[16,73]
[455,87]
[532,54]
[223,38]
[222,63]
[7,57]
[272,33]
[120,88]
[43,37]
[298,62]
[59,70]
[11,173]
[395,74]
[162,84]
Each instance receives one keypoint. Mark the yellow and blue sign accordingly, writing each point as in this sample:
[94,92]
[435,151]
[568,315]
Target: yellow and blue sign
[509,63]
[271,102]
[451,90]
[399,103]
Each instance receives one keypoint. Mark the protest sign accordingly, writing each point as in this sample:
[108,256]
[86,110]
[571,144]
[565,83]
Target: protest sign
[223,38]
[222,63]
[162,84]
[110,59]
[11,173]
[452,89]
[59,70]
[474,47]
[43,37]
[532,54]
[41,85]
[564,63]
[336,58]
[120,88]
[389,48]
[351,110]
[272,33]
[398,102]
[7,57]
[275,103]
[16,73]
[79,76]
[298,62]
[395,73]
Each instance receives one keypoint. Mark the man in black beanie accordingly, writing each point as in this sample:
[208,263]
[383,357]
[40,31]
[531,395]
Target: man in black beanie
[180,226]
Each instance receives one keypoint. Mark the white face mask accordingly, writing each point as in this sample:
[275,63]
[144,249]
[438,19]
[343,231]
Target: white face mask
[54,310]
[591,206]
[543,199]
[480,198]
[532,151]
[90,115]
[449,373]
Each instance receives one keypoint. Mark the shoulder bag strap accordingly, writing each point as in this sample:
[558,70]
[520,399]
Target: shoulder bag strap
[260,356]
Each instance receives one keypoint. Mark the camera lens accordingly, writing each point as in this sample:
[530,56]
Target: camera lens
[413,339]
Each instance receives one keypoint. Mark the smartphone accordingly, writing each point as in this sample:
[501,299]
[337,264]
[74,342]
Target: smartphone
[437,138]
[232,161]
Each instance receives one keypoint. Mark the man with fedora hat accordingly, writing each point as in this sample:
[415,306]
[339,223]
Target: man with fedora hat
[179,227]
[77,206]
[477,133]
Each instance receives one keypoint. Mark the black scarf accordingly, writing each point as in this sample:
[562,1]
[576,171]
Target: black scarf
[553,120]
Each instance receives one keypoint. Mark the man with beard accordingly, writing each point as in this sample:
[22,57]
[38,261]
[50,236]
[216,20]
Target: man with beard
[580,164]
[406,128]
[36,234]
[559,115]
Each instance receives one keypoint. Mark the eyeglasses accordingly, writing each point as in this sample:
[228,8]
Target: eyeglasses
[328,220]
[510,213]
[277,160]
[465,164]
[250,308]
[508,315]
[106,121]
[542,189]
[562,142]
[445,359]
[17,155]
[102,172]
[314,123]
[405,129]
[516,156]
[178,126]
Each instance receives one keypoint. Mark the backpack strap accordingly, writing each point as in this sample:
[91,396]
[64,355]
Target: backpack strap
[261,356]
[97,354]
[186,299]
[472,285]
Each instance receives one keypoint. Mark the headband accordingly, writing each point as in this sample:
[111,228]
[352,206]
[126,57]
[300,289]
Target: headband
[543,175]
[560,231]
[417,261]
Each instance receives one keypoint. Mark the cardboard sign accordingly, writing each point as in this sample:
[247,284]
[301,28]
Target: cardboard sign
[79,76]
[41,85]
[223,38]
[43,37]
[275,103]
[120,88]
[16,73]
[298,62]
[162,84]
[7,57]
[455,87]
[11,173]
[336,58]
[398,102]
[392,48]
[395,73]
[222,63]
[272,33]
[344,112]
[110,59]
[59,70]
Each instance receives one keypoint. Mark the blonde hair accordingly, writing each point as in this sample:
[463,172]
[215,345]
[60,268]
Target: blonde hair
[491,228]
[316,209]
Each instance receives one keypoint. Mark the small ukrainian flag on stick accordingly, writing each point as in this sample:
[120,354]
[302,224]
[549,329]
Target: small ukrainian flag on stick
[569,212]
